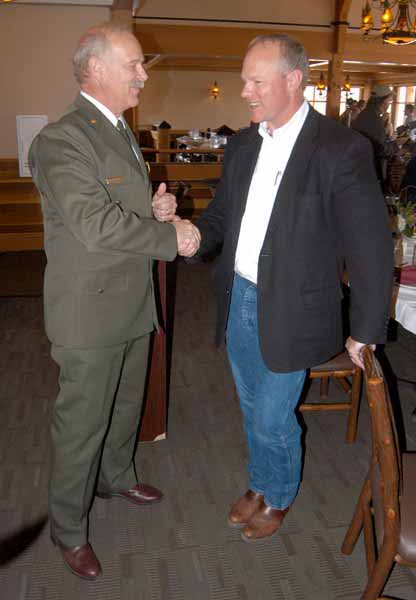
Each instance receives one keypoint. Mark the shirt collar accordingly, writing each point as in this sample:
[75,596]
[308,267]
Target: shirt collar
[293,122]
[102,108]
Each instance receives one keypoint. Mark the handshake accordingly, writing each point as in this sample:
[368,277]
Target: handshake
[188,236]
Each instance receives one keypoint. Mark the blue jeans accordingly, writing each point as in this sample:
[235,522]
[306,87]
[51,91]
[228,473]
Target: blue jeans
[268,401]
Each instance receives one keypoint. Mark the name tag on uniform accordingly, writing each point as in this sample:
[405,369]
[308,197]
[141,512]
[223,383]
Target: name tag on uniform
[113,180]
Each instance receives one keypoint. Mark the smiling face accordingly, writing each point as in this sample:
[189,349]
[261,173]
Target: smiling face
[271,94]
[118,76]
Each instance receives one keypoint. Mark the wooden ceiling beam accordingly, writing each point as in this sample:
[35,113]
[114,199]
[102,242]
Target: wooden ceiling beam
[122,5]
[205,48]
[154,60]
[342,9]
[218,42]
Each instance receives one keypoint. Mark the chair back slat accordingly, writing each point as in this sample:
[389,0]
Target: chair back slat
[385,460]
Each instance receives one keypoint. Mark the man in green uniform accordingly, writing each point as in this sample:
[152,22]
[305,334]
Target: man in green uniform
[102,232]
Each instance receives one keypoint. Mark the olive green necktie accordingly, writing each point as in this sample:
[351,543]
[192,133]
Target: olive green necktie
[122,129]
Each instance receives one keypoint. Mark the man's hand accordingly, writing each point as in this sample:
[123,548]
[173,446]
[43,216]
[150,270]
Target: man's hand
[355,350]
[187,236]
[163,204]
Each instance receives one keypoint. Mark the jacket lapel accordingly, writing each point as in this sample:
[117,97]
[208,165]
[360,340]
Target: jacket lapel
[295,172]
[108,133]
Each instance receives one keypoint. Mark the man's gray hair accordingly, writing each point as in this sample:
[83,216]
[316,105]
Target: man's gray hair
[292,53]
[96,41]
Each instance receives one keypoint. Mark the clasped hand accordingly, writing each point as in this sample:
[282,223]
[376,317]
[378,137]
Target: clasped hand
[163,204]
[187,235]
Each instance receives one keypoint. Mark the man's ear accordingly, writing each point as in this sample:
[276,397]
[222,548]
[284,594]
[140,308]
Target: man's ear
[294,80]
[96,68]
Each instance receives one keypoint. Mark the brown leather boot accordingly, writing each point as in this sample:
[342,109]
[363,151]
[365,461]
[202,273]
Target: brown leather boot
[244,508]
[264,523]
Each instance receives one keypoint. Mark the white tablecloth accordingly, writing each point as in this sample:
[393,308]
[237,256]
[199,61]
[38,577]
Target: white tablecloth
[405,306]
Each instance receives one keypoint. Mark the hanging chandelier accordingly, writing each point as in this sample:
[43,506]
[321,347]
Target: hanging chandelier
[396,29]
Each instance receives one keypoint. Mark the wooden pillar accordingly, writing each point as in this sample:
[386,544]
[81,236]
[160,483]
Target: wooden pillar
[122,14]
[335,66]
[154,417]
[335,82]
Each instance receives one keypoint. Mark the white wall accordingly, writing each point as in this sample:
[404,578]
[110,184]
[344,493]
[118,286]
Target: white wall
[183,99]
[36,45]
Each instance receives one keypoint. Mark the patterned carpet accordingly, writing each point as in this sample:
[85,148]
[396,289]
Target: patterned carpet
[182,548]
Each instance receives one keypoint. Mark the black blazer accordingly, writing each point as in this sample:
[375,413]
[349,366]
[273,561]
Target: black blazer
[329,211]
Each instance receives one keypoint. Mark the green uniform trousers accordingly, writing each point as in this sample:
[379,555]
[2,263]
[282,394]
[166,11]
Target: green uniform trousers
[94,430]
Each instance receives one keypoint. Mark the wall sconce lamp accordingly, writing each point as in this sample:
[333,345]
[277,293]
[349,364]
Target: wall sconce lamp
[347,85]
[215,90]
[321,85]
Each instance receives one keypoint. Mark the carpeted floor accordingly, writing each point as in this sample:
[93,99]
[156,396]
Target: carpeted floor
[182,548]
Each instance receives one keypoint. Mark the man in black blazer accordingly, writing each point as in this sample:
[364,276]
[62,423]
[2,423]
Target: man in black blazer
[297,202]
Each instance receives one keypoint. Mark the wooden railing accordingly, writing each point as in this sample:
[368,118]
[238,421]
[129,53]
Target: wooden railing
[20,211]
[21,229]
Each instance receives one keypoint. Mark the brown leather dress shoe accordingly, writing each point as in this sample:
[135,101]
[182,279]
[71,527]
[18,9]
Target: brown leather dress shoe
[264,523]
[141,494]
[244,508]
[81,561]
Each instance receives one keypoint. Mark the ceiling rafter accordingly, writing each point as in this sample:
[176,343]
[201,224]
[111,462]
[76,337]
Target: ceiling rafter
[342,9]
[154,60]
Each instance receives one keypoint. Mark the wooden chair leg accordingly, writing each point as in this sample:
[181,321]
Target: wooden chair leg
[324,387]
[369,543]
[357,522]
[380,572]
[355,399]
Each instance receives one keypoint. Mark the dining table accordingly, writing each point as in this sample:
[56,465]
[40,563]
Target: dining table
[402,353]
[404,305]
[403,308]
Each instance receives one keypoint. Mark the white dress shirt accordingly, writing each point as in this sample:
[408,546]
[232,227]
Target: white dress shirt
[273,157]
[108,114]
[102,108]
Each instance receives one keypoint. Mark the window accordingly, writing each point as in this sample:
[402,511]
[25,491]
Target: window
[405,95]
[355,94]
[316,98]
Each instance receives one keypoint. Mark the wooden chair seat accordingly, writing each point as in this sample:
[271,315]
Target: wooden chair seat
[348,375]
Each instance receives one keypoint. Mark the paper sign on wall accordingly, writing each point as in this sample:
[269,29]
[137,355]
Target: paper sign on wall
[27,127]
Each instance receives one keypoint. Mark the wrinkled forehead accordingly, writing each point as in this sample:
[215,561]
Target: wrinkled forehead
[124,44]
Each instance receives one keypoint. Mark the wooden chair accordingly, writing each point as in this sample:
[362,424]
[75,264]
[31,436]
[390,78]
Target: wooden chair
[339,368]
[386,508]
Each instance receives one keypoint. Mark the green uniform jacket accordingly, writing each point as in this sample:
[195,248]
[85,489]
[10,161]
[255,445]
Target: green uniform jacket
[100,235]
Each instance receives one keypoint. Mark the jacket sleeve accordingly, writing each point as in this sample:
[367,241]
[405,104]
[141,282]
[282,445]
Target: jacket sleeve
[365,242]
[67,177]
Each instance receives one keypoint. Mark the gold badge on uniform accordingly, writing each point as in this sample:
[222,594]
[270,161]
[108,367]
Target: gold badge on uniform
[147,166]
